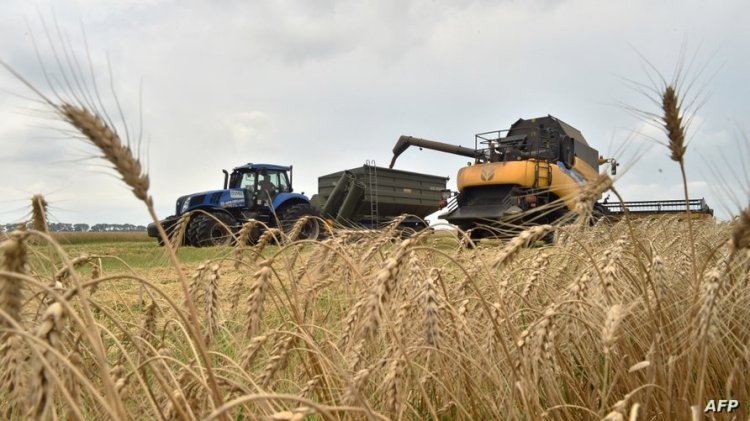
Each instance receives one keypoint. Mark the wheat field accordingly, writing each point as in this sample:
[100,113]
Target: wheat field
[608,323]
[637,319]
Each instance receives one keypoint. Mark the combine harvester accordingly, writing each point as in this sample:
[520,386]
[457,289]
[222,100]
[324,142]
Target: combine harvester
[529,174]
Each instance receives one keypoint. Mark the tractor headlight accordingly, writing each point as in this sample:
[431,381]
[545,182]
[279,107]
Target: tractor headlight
[185,206]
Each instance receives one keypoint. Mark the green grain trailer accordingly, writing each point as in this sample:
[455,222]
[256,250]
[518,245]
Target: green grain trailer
[369,196]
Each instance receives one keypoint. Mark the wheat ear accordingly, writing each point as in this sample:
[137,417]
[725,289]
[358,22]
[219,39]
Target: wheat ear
[212,303]
[108,141]
[524,239]
[741,232]
[584,202]
[673,124]
[14,261]
[257,297]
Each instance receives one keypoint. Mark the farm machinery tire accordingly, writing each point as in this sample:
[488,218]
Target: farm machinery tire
[291,214]
[205,231]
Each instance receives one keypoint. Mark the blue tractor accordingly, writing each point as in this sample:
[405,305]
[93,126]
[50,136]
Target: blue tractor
[252,191]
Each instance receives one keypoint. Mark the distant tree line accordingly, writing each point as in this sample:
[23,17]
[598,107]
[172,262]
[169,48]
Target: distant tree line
[65,227]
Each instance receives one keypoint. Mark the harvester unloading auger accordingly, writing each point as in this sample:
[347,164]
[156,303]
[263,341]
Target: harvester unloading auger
[529,174]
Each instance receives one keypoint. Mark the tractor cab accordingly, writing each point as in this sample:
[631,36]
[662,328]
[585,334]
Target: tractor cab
[261,182]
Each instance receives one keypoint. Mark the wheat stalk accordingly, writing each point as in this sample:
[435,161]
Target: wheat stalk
[248,355]
[49,331]
[390,383]
[15,258]
[587,197]
[75,263]
[257,297]
[177,236]
[39,213]
[538,265]
[741,232]
[279,355]
[431,326]
[708,311]
[524,239]
[615,315]
[243,238]
[356,387]
[212,303]
[265,238]
[148,326]
[675,129]
[297,227]
[384,283]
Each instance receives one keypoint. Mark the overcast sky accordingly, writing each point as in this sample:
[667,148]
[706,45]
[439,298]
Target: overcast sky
[326,85]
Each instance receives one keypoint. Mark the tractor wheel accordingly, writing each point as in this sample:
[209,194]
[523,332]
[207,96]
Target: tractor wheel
[290,215]
[205,231]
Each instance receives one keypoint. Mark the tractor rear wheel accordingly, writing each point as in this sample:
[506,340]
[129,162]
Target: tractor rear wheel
[291,214]
[205,231]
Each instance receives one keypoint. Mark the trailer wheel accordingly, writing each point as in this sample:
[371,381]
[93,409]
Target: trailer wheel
[205,231]
[291,214]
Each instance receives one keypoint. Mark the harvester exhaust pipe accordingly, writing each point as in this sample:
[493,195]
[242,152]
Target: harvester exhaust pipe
[405,141]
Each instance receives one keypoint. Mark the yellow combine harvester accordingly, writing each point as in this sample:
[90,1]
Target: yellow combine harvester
[529,174]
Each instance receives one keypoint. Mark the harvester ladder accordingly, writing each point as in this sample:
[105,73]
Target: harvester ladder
[372,181]
[542,171]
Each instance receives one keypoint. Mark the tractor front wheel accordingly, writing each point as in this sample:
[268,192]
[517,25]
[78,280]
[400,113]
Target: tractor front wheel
[290,215]
[214,230]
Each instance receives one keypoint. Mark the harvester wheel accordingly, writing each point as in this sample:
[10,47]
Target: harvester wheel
[205,231]
[598,213]
[291,214]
